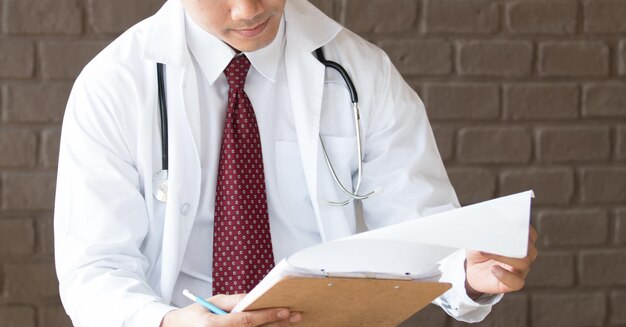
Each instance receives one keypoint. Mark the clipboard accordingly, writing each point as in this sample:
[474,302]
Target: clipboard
[340,301]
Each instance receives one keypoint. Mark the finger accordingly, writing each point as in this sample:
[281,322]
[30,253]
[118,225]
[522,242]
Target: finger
[532,252]
[510,280]
[226,302]
[294,319]
[257,318]
[520,265]
[533,233]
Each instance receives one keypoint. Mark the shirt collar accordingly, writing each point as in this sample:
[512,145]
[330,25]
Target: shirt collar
[213,55]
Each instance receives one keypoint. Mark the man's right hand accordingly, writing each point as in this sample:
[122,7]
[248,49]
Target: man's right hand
[197,316]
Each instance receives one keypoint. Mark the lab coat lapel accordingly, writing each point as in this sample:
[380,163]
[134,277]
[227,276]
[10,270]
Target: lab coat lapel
[307,30]
[305,76]
[184,175]
[166,43]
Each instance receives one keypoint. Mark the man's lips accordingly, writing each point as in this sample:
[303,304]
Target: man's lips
[254,31]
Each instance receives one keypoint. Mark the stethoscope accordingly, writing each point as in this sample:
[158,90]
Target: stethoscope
[160,179]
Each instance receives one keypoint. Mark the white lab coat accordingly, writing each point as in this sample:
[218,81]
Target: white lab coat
[118,256]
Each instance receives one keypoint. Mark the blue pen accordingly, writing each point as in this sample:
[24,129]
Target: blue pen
[211,307]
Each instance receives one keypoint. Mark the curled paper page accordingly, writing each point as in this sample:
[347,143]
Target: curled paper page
[498,226]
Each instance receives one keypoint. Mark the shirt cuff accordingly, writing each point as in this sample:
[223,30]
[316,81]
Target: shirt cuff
[455,301]
[151,315]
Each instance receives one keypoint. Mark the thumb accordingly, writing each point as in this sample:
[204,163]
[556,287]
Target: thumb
[226,302]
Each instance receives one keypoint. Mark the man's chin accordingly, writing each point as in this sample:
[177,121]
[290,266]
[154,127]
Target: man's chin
[249,45]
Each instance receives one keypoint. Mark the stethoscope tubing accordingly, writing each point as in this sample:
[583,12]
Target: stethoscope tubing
[160,179]
[354,96]
[163,113]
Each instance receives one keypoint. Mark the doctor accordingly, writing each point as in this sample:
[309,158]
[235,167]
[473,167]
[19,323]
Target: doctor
[239,71]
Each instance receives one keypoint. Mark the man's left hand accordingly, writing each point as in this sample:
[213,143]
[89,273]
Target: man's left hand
[494,274]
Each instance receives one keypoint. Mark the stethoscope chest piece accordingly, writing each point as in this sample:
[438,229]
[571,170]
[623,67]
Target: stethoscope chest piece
[159,185]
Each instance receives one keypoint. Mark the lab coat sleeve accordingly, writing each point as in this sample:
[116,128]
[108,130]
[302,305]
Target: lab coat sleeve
[456,302]
[101,219]
[402,162]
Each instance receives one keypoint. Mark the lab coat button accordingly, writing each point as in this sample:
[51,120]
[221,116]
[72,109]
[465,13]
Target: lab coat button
[184,209]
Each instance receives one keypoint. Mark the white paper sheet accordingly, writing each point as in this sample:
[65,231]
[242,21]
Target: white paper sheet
[498,226]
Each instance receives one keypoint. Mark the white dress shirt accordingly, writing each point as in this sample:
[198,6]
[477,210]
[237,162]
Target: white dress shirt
[268,91]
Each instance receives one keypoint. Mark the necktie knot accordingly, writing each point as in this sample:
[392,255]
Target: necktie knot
[237,71]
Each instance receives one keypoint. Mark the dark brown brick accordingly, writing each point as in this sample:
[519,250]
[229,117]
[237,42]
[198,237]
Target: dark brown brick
[603,267]
[461,16]
[328,7]
[472,185]
[605,100]
[494,145]
[605,16]
[620,150]
[43,17]
[55,317]
[17,59]
[603,185]
[551,269]
[27,191]
[31,282]
[542,17]
[574,59]
[115,16]
[17,316]
[495,58]
[618,303]
[573,143]
[551,185]
[36,102]
[431,316]
[541,101]
[65,59]
[17,236]
[2,17]
[18,148]
[509,312]
[413,57]
[568,310]
[381,16]
[445,141]
[620,227]
[621,65]
[50,146]
[45,234]
[462,101]
[573,227]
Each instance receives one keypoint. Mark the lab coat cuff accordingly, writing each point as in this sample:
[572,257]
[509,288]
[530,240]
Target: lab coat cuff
[456,302]
[151,315]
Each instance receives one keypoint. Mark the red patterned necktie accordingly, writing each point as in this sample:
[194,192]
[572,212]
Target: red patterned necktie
[242,245]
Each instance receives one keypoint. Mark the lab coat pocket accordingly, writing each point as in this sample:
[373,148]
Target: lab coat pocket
[291,186]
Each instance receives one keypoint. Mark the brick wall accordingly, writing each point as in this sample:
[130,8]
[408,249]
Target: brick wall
[521,94]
